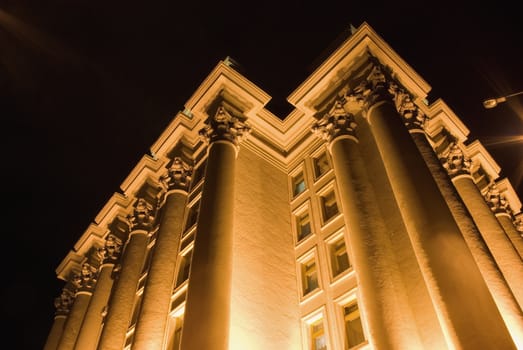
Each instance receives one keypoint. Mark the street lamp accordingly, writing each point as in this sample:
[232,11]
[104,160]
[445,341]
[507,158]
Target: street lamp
[493,102]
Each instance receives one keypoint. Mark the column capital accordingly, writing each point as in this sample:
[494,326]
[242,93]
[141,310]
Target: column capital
[110,253]
[454,161]
[178,175]
[380,86]
[497,201]
[518,224]
[85,280]
[64,302]
[142,217]
[224,125]
[335,123]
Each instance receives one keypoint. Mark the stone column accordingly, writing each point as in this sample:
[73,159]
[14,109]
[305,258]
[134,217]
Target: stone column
[62,304]
[492,232]
[506,219]
[153,320]
[382,297]
[453,163]
[92,324]
[466,310]
[500,206]
[207,310]
[83,283]
[121,302]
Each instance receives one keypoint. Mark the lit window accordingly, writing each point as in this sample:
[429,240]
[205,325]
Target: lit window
[303,225]
[329,206]
[317,333]
[298,184]
[177,338]
[309,276]
[321,165]
[353,325]
[339,257]
[185,266]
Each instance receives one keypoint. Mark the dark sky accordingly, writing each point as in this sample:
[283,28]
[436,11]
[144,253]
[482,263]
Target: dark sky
[86,87]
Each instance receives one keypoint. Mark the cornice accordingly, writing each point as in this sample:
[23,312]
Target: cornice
[505,187]
[330,75]
[440,116]
[480,155]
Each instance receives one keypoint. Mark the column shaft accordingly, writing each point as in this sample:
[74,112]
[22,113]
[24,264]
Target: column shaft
[458,291]
[121,302]
[490,228]
[503,296]
[156,303]
[74,321]
[92,324]
[508,225]
[55,333]
[207,311]
[383,299]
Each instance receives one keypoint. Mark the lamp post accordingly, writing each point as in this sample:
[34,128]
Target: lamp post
[493,102]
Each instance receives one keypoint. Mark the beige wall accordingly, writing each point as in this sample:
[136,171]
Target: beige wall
[265,311]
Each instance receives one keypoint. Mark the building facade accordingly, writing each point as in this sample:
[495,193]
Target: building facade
[365,219]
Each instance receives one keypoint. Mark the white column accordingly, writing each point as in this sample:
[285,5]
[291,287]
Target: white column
[121,302]
[207,310]
[156,303]
[62,304]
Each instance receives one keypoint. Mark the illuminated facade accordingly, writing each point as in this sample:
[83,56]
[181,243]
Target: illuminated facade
[364,219]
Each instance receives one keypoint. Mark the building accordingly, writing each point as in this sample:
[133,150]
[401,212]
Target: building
[365,219]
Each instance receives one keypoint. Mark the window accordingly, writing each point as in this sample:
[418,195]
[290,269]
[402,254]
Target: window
[329,206]
[309,276]
[317,334]
[198,175]
[185,266]
[321,165]
[192,216]
[303,225]
[177,337]
[298,184]
[338,256]
[353,325]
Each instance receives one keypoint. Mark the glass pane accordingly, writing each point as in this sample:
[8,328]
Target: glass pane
[353,326]
[304,226]
[339,257]
[298,183]
[330,208]
[321,165]
[310,280]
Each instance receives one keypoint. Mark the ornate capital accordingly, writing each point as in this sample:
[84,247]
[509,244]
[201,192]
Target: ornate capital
[178,175]
[454,161]
[64,302]
[412,116]
[111,251]
[142,217]
[335,123]
[224,126]
[496,200]
[379,86]
[86,279]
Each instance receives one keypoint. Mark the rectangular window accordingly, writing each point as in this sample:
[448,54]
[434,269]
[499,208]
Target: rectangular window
[298,184]
[197,175]
[329,206]
[309,276]
[185,266]
[353,325]
[177,338]
[303,225]
[317,333]
[338,256]
[192,216]
[321,165]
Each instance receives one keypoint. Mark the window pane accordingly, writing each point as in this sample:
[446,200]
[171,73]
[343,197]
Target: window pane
[310,277]
[339,257]
[329,206]
[298,184]
[318,340]
[185,266]
[321,165]
[303,226]
[353,326]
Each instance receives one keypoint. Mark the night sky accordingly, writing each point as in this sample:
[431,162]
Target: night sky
[86,87]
